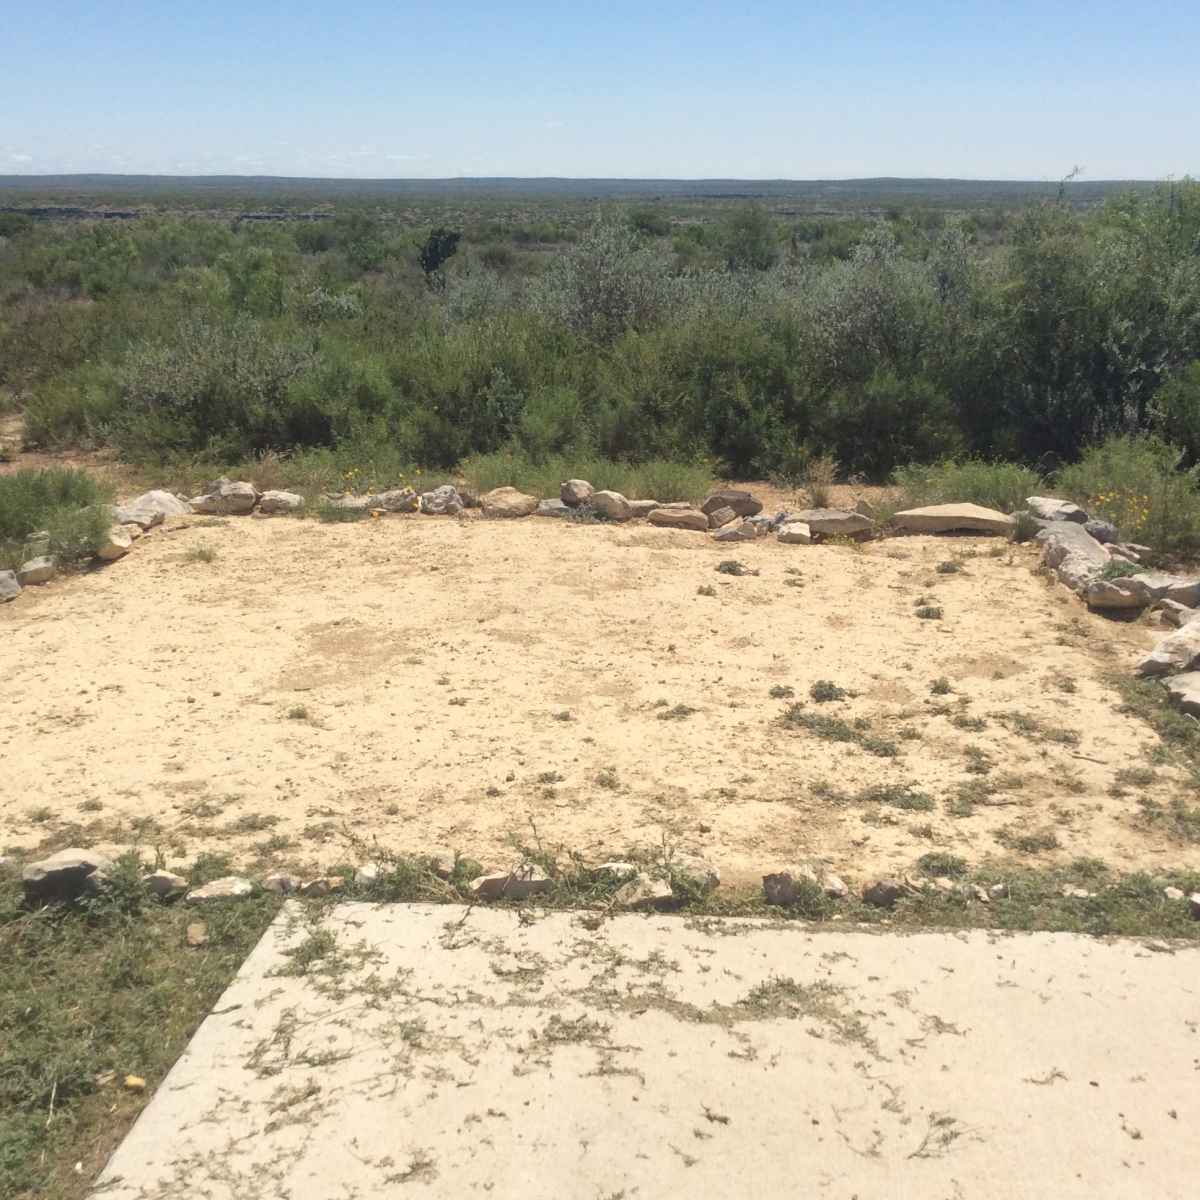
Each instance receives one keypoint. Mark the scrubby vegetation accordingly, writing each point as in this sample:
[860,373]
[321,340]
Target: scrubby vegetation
[64,504]
[750,341]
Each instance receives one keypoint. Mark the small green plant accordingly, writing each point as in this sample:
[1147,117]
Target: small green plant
[1026,528]
[1030,727]
[679,713]
[781,691]
[1028,841]
[1116,569]
[825,691]
[971,724]
[731,566]
[941,863]
[706,589]
[834,729]
[928,612]
[203,554]
[941,686]
[340,514]
[999,485]
[298,712]
[949,567]
[66,504]
[608,779]
[897,795]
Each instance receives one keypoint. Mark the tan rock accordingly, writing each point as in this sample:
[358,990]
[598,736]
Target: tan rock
[795,533]
[518,884]
[945,518]
[743,503]
[612,505]
[679,518]
[721,517]
[508,502]
[114,544]
[574,492]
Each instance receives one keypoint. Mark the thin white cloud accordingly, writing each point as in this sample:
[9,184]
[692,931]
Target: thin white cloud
[21,157]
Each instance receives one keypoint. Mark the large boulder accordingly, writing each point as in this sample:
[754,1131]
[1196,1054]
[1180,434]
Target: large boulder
[115,543]
[613,505]
[36,570]
[1072,553]
[720,517]
[10,588]
[1177,652]
[1049,508]
[395,500]
[679,518]
[1184,691]
[275,502]
[574,492]
[831,522]
[161,502]
[742,503]
[65,875]
[134,514]
[947,518]
[1125,592]
[795,533]
[446,502]
[227,498]
[508,502]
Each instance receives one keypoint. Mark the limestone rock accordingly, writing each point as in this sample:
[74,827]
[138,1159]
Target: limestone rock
[162,502]
[114,544]
[396,500]
[694,873]
[1184,692]
[883,894]
[445,501]
[743,503]
[273,502]
[144,517]
[612,505]
[836,888]
[1048,508]
[679,518]
[231,887]
[1174,613]
[1072,553]
[1123,592]
[197,934]
[641,509]
[1173,893]
[65,875]
[518,884]
[617,869]
[795,533]
[36,570]
[508,502]
[134,531]
[553,508]
[643,894]
[227,498]
[10,589]
[832,522]
[574,492]
[744,531]
[1177,652]
[787,885]
[281,885]
[1184,591]
[945,518]
[165,885]
[1102,531]
[720,517]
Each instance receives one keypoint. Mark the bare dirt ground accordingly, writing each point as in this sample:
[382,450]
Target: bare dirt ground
[467,685]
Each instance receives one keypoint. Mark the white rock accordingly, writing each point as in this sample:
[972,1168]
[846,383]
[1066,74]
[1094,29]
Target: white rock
[64,875]
[832,522]
[231,887]
[396,500]
[36,570]
[553,508]
[134,531]
[162,502]
[165,885]
[679,518]
[1177,652]
[445,501]
[508,502]
[641,509]
[114,544]
[144,517]
[946,518]
[795,533]
[616,869]
[574,492]
[1174,613]
[1047,508]
[1072,553]
[1184,692]
[326,885]
[280,502]
[835,887]
[227,498]
[281,885]
[612,505]
[10,589]
[518,884]
[696,872]
[643,894]
[1173,893]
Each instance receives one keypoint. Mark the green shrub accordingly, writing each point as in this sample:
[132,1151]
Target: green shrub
[1003,486]
[1138,485]
[66,503]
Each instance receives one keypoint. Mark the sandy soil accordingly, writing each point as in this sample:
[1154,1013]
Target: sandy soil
[461,684]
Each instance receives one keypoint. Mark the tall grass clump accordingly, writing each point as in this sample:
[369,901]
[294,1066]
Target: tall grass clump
[1003,486]
[65,503]
[1137,483]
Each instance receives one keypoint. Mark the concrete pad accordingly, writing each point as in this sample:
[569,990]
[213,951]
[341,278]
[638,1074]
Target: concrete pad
[502,1053]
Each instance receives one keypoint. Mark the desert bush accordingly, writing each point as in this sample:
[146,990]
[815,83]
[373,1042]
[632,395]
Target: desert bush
[67,504]
[1138,484]
[1001,485]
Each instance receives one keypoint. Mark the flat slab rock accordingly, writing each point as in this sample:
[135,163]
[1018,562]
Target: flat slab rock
[1072,553]
[507,502]
[1050,508]
[1177,652]
[474,1054]
[742,502]
[1184,691]
[949,518]
[832,521]
[679,518]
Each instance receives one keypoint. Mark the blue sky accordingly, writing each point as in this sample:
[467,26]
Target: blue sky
[760,89]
